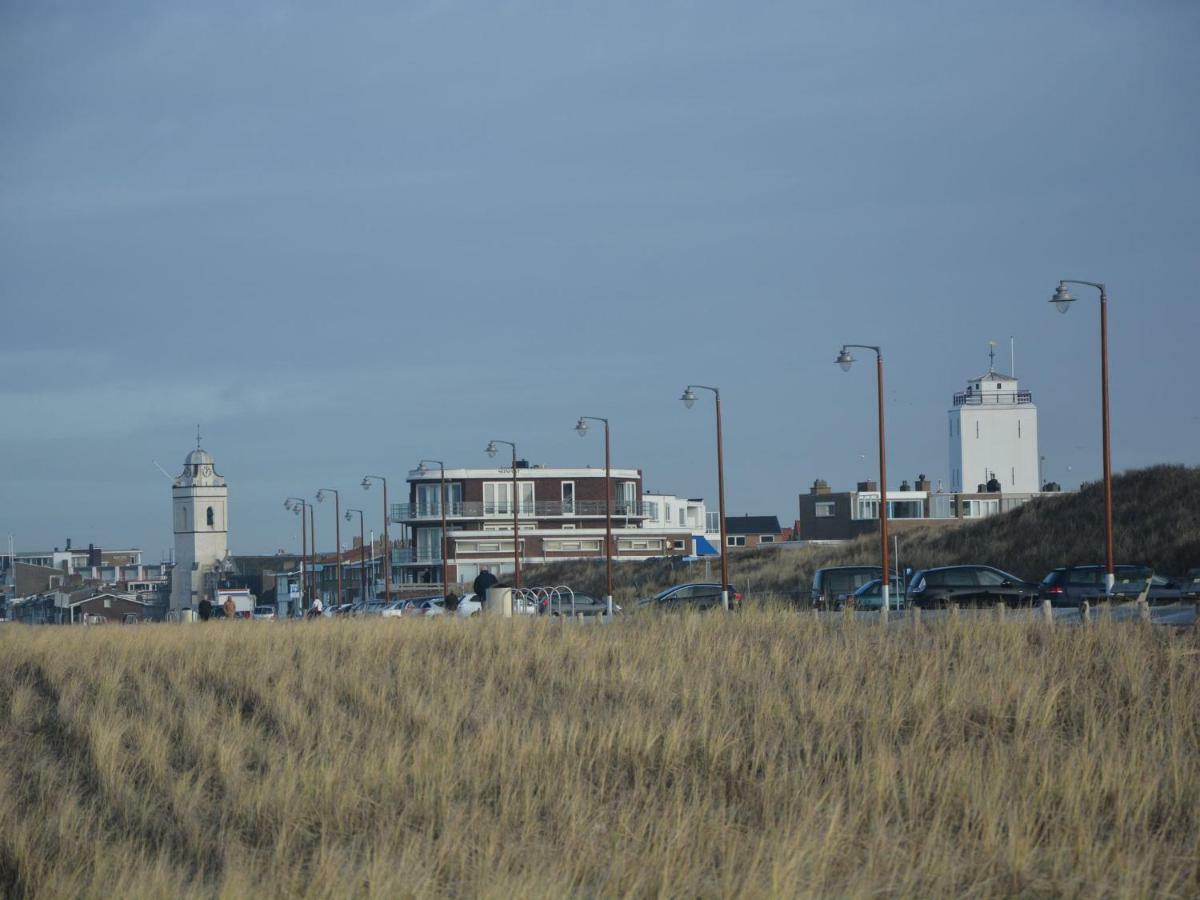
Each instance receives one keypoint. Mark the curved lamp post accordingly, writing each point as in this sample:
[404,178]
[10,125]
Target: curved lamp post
[491,451]
[845,360]
[442,504]
[387,544]
[297,506]
[689,400]
[337,521]
[1062,301]
[362,551]
[582,427]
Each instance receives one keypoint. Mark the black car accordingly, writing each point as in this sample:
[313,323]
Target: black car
[1071,585]
[968,586]
[691,596]
[834,585]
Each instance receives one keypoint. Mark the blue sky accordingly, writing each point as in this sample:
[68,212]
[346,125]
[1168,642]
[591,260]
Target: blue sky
[344,240]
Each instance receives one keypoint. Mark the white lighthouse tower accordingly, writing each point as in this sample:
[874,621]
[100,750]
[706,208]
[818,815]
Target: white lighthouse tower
[993,434]
[200,522]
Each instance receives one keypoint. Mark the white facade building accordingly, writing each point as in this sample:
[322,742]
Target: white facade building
[993,434]
[200,518]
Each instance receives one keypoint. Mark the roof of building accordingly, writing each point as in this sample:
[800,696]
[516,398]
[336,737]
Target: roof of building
[994,376]
[198,457]
[752,525]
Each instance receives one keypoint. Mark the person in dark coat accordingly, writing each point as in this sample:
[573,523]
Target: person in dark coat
[205,610]
[483,581]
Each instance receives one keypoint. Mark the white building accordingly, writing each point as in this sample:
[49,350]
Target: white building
[993,434]
[201,524]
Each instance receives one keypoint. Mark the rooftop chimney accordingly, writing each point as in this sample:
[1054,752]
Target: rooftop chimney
[820,486]
[868,486]
[922,483]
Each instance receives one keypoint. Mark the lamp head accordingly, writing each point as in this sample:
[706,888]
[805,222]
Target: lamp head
[845,360]
[582,427]
[321,496]
[421,470]
[491,449]
[347,516]
[688,398]
[287,504]
[1062,299]
[366,483]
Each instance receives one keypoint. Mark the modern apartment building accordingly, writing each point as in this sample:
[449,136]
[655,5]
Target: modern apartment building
[560,514]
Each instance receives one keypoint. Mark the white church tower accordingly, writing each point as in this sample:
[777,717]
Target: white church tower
[200,516]
[993,434]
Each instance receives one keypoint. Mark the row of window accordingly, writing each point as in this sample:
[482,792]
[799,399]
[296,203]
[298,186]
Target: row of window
[739,540]
[977,429]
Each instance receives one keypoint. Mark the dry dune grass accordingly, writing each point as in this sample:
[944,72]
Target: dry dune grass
[763,755]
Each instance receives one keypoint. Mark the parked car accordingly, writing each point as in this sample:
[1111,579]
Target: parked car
[568,604]
[425,606]
[264,612]
[468,605]
[834,585]
[1071,585]
[968,586]
[870,595]
[691,596]
[1190,585]
[393,610]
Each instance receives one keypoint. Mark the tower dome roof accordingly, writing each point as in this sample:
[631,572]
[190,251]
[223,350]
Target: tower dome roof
[198,457]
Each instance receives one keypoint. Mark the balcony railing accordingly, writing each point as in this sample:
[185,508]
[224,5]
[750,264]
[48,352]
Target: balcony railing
[543,509]
[988,398]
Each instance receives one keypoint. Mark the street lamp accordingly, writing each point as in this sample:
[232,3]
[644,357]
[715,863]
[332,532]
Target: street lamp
[442,505]
[582,427]
[387,544]
[297,506]
[491,451]
[689,400]
[845,360]
[362,551]
[1062,301]
[337,520]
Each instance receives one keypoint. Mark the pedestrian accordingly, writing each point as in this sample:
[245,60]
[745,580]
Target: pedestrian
[205,610]
[230,608]
[484,580]
[314,611]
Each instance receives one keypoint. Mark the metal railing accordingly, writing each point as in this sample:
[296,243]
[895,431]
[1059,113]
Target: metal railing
[474,509]
[999,398]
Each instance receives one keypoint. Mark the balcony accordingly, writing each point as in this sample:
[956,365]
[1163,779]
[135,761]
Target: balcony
[544,509]
[993,398]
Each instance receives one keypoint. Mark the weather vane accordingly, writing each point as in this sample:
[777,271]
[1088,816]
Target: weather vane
[991,356]
[197,437]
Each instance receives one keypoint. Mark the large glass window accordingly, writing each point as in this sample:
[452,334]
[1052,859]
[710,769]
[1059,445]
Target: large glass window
[568,498]
[497,498]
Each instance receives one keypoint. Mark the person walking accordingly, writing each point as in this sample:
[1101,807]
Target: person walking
[484,580]
[205,609]
[230,608]
[314,611]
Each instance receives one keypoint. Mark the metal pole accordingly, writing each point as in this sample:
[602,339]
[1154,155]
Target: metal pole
[362,555]
[1110,568]
[516,525]
[303,556]
[337,520]
[883,517]
[315,581]
[608,541]
[387,547]
[721,503]
[445,569]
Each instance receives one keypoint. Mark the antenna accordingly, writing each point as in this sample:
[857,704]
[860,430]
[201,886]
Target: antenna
[197,437]
[166,475]
[1012,356]
[991,356]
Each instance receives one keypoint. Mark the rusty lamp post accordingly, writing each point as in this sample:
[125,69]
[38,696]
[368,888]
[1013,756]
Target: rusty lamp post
[362,551]
[337,520]
[845,360]
[1062,301]
[387,544]
[582,427]
[689,400]
[516,502]
[442,506]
